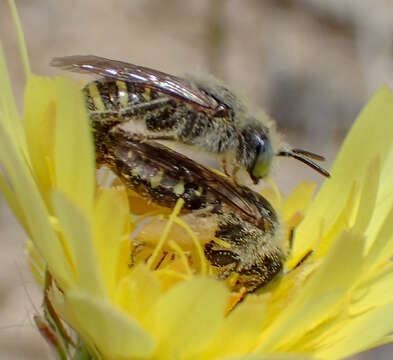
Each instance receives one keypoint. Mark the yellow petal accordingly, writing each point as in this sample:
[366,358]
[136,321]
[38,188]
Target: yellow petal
[375,292]
[186,317]
[270,357]
[368,197]
[9,116]
[114,334]
[74,150]
[34,210]
[273,195]
[370,136]
[381,249]
[359,333]
[383,341]
[78,245]
[21,38]
[384,200]
[111,217]
[243,326]
[318,297]
[342,222]
[12,201]
[299,199]
[40,123]
[36,262]
[138,292]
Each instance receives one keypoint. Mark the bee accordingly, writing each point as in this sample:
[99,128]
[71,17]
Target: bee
[247,226]
[195,110]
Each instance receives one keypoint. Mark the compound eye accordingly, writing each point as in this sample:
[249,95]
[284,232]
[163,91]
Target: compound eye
[263,160]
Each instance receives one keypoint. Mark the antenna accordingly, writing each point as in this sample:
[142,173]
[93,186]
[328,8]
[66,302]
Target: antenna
[305,157]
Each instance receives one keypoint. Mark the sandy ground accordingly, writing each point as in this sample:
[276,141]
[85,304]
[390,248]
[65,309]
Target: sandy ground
[19,296]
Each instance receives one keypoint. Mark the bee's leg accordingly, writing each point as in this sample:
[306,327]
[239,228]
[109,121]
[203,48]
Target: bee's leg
[143,137]
[106,119]
[236,299]
[224,166]
[235,169]
[160,137]
[232,174]
[206,211]
[109,118]
[104,116]
[115,129]
[138,111]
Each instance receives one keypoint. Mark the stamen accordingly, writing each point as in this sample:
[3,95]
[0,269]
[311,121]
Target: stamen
[174,246]
[196,242]
[174,274]
[146,215]
[161,242]
[165,253]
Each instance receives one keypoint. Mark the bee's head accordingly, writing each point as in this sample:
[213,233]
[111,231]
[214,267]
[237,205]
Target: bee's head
[256,152]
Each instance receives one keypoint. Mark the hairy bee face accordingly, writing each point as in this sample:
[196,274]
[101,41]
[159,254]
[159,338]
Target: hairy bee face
[198,111]
[246,224]
[256,153]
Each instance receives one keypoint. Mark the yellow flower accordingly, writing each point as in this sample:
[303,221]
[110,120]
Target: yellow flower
[80,234]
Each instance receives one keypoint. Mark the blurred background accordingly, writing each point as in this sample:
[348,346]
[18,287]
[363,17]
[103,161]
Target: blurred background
[312,64]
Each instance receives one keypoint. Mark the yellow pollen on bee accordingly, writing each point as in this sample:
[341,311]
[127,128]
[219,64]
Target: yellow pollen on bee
[232,279]
[122,93]
[135,171]
[96,97]
[146,94]
[178,189]
[156,179]
[199,192]
[222,243]
[267,225]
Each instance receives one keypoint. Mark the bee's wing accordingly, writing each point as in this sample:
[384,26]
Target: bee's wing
[182,167]
[162,82]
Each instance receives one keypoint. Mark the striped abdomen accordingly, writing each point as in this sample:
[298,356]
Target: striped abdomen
[148,178]
[114,95]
